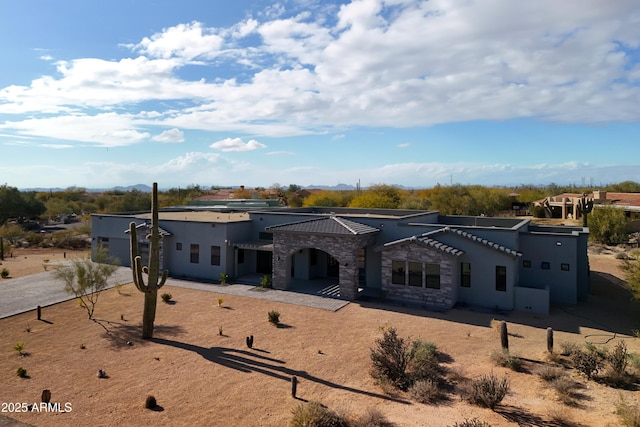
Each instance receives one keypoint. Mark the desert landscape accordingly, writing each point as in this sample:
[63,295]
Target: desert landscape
[201,371]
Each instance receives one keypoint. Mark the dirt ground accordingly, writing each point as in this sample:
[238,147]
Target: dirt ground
[202,373]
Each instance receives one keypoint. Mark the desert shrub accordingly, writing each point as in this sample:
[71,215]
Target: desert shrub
[274,317]
[150,402]
[537,211]
[423,361]
[4,273]
[425,391]
[634,359]
[223,278]
[372,417]
[629,415]
[19,348]
[618,358]
[565,389]
[314,414]
[487,391]
[265,281]
[21,372]
[473,422]
[550,373]
[568,348]
[166,298]
[506,360]
[390,358]
[587,362]
[220,301]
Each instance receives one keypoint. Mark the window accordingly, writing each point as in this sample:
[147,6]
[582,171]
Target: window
[178,246]
[545,265]
[465,274]
[240,256]
[415,274]
[215,255]
[195,253]
[501,278]
[397,273]
[564,267]
[526,263]
[433,276]
[264,235]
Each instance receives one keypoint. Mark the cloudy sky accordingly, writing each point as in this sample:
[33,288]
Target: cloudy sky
[408,92]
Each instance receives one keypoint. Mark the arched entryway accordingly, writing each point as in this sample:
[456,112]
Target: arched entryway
[296,245]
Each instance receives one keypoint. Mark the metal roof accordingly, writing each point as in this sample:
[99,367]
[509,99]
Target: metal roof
[331,225]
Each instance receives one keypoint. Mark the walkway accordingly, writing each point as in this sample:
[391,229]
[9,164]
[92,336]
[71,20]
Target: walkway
[18,295]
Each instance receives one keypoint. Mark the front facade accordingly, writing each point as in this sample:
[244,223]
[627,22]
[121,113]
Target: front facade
[416,256]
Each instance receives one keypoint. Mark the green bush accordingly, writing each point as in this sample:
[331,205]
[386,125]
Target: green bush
[423,361]
[488,391]
[166,298]
[314,414]
[4,273]
[265,281]
[274,317]
[21,372]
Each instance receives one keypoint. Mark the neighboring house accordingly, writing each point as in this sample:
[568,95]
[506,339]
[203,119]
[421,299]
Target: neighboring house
[566,205]
[418,256]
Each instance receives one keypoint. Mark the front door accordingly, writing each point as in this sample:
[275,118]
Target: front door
[333,268]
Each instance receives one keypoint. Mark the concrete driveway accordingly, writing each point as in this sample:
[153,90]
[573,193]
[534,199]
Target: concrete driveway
[22,294]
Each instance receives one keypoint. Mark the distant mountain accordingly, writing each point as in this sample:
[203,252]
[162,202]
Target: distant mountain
[339,187]
[139,187]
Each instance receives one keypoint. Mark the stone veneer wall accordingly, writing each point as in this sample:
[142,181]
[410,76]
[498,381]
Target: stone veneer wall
[343,248]
[445,297]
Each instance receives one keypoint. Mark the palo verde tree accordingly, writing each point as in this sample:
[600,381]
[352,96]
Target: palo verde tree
[86,279]
[155,280]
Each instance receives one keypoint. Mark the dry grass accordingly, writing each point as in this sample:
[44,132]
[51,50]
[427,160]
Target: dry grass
[202,378]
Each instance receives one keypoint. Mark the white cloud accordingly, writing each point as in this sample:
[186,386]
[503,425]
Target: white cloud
[403,145]
[370,63]
[236,144]
[171,135]
[280,153]
[186,41]
[56,146]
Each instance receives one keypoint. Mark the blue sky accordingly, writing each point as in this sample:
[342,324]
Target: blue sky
[314,92]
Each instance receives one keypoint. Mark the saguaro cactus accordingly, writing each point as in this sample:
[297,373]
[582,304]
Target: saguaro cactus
[585,206]
[504,336]
[154,279]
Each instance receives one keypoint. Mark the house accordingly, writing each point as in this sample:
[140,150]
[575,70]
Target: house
[417,256]
[565,205]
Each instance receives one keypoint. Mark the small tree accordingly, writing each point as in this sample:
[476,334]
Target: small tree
[86,279]
[390,358]
[608,225]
